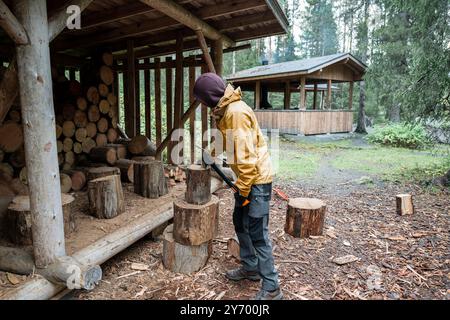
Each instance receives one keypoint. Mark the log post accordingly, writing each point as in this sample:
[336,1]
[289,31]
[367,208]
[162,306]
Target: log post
[106,197]
[204,47]
[149,179]
[12,27]
[195,224]
[130,110]
[305,217]
[258,95]
[198,185]
[38,114]
[303,93]
[350,95]
[287,95]
[184,259]
[405,204]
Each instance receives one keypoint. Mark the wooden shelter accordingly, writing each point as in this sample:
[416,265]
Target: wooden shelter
[315,75]
[36,43]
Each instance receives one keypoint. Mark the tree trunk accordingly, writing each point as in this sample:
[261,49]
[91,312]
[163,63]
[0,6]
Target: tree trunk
[106,197]
[394,113]
[184,259]
[149,179]
[195,224]
[305,217]
[198,185]
[361,126]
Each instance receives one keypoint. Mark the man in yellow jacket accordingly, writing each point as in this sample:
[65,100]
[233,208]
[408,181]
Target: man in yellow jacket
[248,157]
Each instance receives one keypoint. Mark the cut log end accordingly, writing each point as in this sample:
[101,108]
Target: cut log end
[305,217]
[198,185]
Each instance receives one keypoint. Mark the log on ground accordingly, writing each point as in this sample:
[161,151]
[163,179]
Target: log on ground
[305,217]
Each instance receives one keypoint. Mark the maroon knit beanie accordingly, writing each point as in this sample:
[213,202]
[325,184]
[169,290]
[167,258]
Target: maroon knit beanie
[209,88]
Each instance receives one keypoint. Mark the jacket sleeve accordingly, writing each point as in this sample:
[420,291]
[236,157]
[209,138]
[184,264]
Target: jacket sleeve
[244,153]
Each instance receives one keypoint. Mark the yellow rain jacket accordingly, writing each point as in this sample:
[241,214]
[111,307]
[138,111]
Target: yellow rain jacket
[243,141]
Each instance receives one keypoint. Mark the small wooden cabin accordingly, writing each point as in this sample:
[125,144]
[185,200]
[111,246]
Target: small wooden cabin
[310,76]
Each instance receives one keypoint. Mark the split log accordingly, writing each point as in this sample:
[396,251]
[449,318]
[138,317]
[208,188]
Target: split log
[68,129]
[108,59]
[101,140]
[107,75]
[92,95]
[234,248]
[305,217]
[405,204]
[184,259]
[198,185]
[77,148]
[141,145]
[91,129]
[100,172]
[82,104]
[104,106]
[87,145]
[102,125]
[149,179]
[106,197]
[126,169]
[18,219]
[195,224]
[81,134]
[66,183]
[11,137]
[17,159]
[103,90]
[59,131]
[68,111]
[67,145]
[103,154]
[121,150]
[93,113]
[80,119]
[112,135]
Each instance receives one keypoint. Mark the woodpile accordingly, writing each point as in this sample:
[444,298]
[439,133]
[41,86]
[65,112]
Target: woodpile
[305,217]
[187,244]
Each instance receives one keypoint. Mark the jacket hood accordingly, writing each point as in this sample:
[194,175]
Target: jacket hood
[209,89]
[231,95]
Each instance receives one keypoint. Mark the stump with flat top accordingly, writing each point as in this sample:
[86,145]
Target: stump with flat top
[405,204]
[106,197]
[195,224]
[305,217]
[149,179]
[184,259]
[198,185]
[99,172]
[18,219]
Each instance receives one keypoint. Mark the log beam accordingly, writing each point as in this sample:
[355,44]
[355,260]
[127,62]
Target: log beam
[12,26]
[180,14]
[36,95]
[204,47]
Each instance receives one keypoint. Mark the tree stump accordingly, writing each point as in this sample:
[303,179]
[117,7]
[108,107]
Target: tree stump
[184,259]
[126,169]
[195,224]
[100,172]
[305,217]
[106,197]
[198,185]
[18,219]
[149,179]
[405,204]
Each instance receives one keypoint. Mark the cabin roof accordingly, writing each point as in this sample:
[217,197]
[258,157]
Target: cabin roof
[110,23]
[297,67]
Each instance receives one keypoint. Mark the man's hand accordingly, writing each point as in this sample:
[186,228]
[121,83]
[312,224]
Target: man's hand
[241,201]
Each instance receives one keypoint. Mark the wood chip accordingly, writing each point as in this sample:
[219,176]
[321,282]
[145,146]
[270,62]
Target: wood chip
[345,259]
[128,275]
[13,279]
[139,267]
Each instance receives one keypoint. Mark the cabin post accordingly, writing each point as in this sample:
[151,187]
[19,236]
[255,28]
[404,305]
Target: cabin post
[36,96]
[148,114]
[303,93]
[204,48]
[315,97]
[287,95]
[218,56]
[179,84]
[329,94]
[350,96]
[130,110]
[169,106]
[258,95]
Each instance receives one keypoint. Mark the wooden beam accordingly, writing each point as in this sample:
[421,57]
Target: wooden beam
[179,92]
[218,56]
[183,119]
[287,95]
[58,22]
[204,47]
[11,25]
[36,95]
[192,117]
[158,120]
[329,94]
[350,95]
[315,97]
[148,111]
[169,105]
[204,117]
[182,15]
[257,95]
[302,105]
[130,107]
[137,88]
